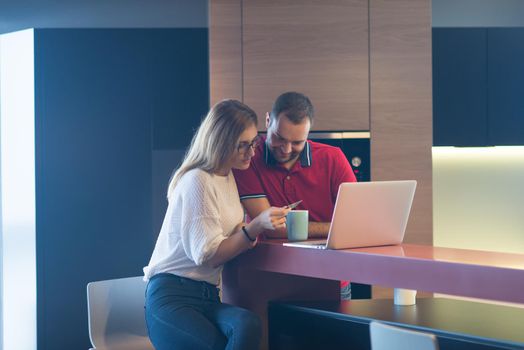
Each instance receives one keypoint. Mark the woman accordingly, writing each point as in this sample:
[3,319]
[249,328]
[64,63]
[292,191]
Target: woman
[202,230]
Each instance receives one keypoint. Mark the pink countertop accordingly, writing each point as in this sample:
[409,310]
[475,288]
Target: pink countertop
[473,273]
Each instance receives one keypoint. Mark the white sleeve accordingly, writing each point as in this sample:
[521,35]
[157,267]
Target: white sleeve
[201,229]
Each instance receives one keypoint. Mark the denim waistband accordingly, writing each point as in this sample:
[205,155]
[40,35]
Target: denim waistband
[205,289]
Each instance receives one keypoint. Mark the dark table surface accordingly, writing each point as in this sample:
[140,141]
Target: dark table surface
[442,316]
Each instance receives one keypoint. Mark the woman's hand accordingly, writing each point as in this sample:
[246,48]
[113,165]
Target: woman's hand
[270,219]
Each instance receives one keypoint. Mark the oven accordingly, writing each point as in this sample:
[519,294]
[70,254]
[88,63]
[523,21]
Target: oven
[354,144]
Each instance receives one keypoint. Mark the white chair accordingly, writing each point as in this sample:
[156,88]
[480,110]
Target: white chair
[116,314]
[386,337]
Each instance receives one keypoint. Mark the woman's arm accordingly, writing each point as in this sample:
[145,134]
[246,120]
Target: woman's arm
[270,219]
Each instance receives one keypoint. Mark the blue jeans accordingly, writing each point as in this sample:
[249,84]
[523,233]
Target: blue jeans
[182,313]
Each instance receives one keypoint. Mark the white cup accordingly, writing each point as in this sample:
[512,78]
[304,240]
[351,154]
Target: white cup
[404,296]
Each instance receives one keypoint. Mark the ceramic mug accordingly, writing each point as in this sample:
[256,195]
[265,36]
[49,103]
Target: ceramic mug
[297,222]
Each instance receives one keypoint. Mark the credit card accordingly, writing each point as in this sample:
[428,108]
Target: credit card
[294,205]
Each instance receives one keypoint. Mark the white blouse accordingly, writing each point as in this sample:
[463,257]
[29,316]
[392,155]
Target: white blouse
[203,210]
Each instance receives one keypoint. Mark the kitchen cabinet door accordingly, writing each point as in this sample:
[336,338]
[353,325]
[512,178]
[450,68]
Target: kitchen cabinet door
[316,47]
[459,87]
[506,80]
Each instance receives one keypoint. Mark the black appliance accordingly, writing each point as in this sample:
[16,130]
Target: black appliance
[354,144]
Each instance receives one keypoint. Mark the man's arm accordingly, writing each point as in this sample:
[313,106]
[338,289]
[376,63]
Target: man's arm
[318,229]
[255,206]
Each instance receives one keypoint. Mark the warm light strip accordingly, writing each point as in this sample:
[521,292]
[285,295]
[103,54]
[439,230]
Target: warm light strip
[478,198]
[479,151]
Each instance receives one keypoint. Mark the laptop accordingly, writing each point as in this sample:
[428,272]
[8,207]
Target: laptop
[367,214]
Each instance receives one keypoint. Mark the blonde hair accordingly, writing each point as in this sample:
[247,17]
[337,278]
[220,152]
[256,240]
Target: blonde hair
[216,139]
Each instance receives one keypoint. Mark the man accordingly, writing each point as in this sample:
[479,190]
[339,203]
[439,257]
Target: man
[287,167]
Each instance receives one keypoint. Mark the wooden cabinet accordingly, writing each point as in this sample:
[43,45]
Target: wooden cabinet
[366,65]
[316,47]
[477,83]
[400,100]
[225,50]
[319,48]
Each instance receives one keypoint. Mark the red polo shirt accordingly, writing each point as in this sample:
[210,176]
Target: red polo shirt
[314,179]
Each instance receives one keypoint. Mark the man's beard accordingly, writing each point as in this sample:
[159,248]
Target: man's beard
[292,157]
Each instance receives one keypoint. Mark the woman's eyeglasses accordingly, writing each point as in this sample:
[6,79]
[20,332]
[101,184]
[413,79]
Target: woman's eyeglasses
[243,147]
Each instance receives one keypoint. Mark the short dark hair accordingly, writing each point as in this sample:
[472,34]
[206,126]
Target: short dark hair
[295,106]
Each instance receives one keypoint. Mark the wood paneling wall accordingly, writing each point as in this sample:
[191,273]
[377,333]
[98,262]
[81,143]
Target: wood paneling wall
[317,47]
[401,109]
[225,50]
[397,75]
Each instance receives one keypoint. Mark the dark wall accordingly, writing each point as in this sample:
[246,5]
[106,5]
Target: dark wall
[17,15]
[105,100]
